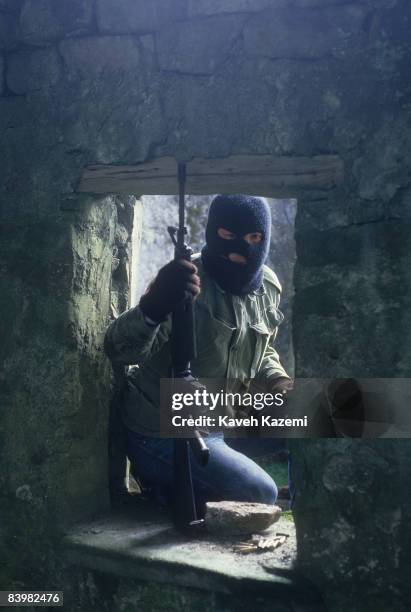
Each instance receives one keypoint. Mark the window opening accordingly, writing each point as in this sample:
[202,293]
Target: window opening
[152,248]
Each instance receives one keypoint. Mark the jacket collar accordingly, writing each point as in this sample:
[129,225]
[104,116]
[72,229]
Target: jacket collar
[260,291]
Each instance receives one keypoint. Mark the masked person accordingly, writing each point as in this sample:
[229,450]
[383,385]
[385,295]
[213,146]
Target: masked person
[236,299]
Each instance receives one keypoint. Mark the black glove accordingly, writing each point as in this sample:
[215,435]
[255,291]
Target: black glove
[173,283]
[282,385]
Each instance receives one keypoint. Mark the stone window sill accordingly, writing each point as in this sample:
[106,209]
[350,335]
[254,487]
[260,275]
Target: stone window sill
[139,542]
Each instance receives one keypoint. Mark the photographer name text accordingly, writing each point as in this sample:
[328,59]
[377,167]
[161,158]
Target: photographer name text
[204,421]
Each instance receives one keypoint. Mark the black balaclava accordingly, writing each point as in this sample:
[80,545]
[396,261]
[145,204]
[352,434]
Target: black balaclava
[241,215]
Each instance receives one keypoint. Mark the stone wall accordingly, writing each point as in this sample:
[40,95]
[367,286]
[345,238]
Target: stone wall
[119,82]
[56,263]
[127,212]
[127,227]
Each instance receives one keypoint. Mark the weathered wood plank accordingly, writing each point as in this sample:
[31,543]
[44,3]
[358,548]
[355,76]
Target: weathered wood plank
[259,175]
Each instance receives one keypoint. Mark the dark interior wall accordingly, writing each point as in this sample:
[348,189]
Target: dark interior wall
[104,81]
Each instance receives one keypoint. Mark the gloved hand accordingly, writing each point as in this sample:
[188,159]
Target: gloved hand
[173,283]
[281,385]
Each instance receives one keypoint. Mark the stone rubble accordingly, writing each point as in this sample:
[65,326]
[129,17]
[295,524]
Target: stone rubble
[238,518]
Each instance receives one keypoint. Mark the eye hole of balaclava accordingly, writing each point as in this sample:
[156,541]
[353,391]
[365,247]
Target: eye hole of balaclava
[237,242]
[250,238]
[238,248]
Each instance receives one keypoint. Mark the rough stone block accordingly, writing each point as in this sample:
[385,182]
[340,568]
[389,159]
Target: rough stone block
[197,47]
[11,6]
[363,475]
[90,56]
[31,70]
[7,31]
[123,16]
[319,3]
[1,75]
[212,7]
[322,300]
[237,518]
[45,20]
[392,239]
[300,33]
[381,175]
[338,246]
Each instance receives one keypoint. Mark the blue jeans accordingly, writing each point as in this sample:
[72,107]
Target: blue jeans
[229,475]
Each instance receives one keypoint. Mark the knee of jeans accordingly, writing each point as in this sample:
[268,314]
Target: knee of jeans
[263,491]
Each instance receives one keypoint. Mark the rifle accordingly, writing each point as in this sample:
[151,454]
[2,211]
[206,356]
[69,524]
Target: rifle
[183,350]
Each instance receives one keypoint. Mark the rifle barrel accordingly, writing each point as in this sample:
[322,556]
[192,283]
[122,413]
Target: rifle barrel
[181,204]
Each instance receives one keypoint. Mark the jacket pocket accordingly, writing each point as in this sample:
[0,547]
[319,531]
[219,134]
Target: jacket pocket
[262,336]
[213,341]
[263,331]
[219,331]
[273,317]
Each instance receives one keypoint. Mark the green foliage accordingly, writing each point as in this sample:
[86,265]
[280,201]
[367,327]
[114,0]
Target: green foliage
[276,469]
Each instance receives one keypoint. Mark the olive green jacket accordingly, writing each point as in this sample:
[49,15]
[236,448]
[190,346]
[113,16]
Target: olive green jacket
[235,337]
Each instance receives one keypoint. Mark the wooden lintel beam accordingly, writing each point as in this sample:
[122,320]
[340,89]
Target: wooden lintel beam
[263,175]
